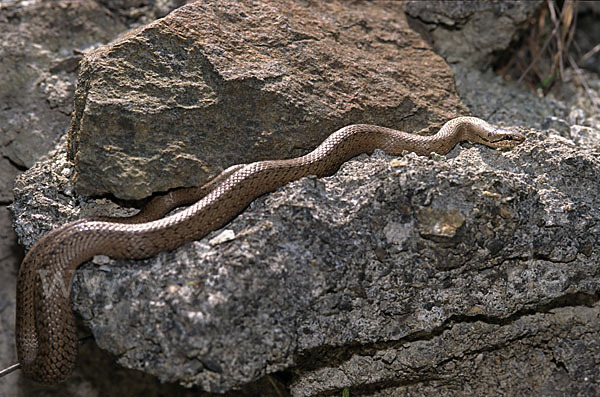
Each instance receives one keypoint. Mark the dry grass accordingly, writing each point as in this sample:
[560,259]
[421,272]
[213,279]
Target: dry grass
[543,53]
[541,57]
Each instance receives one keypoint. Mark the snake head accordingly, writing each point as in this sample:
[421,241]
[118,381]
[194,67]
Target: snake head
[502,138]
[499,138]
[477,130]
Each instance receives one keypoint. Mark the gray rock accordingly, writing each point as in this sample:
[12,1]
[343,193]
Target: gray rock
[7,177]
[541,348]
[560,126]
[471,32]
[37,59]
[218,83]
[574,117]
[41,44]
[394,269]
[583,135]
[141,12]
[554,344]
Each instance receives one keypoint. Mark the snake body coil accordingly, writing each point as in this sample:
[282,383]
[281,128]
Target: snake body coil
[45,326]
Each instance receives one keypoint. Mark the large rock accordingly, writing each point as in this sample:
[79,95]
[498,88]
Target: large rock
[526,325]
[41,43]
[218,83]
[472,33]
[391,274]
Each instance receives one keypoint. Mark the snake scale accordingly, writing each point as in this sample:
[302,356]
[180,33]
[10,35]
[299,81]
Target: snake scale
[45,326]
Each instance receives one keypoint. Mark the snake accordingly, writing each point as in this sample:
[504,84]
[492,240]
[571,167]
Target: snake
[45,333]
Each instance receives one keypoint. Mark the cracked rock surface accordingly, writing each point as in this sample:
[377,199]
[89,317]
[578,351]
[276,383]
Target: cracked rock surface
[474,274]
[469,32]
[392,271]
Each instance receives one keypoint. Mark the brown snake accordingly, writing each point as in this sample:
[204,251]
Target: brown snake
[45,325]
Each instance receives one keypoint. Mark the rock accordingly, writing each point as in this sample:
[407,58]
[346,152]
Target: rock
[514,328]
[573,117]
[37,97]
[471,32]
[389,274]
[41,43]
[453,361]
[489,96]
[140,12]
[218,83]
[7,177]
[583,135]
[560,126]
